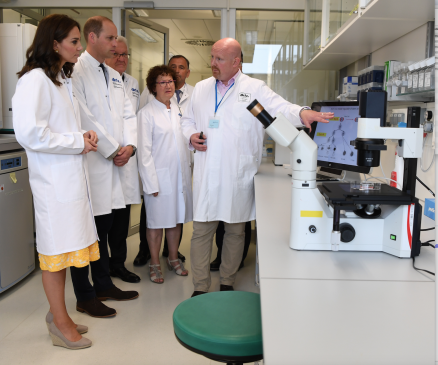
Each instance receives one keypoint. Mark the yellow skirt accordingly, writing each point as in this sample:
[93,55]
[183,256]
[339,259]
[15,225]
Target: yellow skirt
[78,258]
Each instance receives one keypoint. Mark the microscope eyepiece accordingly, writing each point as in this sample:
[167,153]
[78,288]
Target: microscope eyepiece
[260,113]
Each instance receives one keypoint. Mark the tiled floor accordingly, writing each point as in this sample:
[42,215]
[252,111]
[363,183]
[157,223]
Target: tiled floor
[141,333]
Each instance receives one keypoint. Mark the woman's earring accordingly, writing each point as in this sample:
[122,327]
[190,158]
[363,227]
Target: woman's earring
[56,50]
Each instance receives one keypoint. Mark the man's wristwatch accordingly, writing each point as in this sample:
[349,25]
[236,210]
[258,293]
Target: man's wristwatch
[134,149]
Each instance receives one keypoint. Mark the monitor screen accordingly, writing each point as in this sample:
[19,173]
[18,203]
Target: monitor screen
[333,139]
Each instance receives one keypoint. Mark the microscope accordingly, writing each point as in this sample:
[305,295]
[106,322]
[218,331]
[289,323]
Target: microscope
[361,216]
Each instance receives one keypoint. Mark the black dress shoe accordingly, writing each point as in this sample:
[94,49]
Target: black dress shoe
[197,292]
[117,294]
[180,255]
[214,265]
[95,308]
[142,258]
[227,287]
[124,274]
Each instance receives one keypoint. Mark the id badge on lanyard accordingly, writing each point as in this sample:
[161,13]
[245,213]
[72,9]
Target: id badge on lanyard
[214,121]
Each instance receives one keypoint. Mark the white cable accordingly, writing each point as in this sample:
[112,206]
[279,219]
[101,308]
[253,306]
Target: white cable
[421,159]
[381,177]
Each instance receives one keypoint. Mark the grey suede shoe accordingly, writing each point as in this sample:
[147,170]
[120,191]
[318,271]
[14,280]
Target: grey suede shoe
[59,339]
[80,328]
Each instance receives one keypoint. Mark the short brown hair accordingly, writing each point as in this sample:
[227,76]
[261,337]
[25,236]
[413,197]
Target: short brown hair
[154,72]
[54,27]
[94,25]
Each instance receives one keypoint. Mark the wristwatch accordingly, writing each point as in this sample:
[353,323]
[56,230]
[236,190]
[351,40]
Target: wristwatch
[134,149]
[303,108]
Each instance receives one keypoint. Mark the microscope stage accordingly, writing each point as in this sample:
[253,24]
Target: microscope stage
[341,195]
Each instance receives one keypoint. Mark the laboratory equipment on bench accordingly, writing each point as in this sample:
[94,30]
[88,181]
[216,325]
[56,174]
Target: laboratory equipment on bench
[17,247]
[15,39]
[337,216]
[336,158]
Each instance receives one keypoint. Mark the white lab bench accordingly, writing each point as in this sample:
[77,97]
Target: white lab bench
[323,307]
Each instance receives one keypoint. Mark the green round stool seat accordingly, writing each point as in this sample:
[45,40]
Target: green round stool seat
[221,325]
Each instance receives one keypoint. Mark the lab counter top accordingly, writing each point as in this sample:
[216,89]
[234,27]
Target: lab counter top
[324,307]
[278,260]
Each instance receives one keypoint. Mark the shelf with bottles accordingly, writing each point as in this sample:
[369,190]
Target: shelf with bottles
[423,96]
[411,81]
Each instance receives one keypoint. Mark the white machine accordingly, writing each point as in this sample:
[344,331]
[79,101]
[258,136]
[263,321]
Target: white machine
[15,39]
[334,216]
[17,246]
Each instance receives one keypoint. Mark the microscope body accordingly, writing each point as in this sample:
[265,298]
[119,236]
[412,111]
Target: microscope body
[319,224]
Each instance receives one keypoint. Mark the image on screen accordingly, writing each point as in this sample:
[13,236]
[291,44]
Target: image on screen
[333,139]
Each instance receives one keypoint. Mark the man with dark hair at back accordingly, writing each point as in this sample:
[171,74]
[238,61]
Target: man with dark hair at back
[183,92]
[104,106]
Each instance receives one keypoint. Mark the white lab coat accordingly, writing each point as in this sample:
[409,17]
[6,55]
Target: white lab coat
[129,172]
[187,90]
[164,165]
[223,176]
[108,111]
[132,89]
[47,124]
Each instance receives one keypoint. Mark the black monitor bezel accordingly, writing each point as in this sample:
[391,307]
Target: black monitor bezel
[317,107]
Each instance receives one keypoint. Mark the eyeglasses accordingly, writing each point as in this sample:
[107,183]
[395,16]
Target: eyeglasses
[123,55]
[166,83]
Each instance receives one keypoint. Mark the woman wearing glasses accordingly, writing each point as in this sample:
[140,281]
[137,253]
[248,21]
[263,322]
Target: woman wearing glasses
[164,165]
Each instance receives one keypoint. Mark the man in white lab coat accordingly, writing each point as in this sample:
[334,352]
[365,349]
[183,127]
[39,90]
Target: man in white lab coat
[119,230]
[183,92]
[104,106]
[228,158]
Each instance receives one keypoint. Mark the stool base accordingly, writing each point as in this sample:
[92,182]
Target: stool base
[229,360]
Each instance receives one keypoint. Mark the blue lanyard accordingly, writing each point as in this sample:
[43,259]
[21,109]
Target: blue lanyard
[217,105]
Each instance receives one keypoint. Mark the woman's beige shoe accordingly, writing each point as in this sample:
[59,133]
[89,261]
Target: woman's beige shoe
[155,273]
[59,339]
[179,268]
[80,328]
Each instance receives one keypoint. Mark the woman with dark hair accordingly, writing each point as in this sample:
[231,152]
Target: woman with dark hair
[47,124]
[164,165]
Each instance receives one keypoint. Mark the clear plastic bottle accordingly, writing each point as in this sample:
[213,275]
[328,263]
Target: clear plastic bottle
[404,79]
[415,77]
[411,69]
[421,75]
[392,82]
[429,74]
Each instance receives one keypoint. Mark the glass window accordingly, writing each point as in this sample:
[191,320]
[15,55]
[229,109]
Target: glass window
[315,20]
[191,34]
[272,45]
[340,12]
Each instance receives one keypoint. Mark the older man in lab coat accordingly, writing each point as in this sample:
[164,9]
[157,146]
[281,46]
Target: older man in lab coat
[181,98]
[119,231]
[105,107]
[228,158]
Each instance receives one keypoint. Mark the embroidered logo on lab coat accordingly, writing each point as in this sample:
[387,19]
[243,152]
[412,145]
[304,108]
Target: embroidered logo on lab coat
[117,84]
[244,97]
[135,92]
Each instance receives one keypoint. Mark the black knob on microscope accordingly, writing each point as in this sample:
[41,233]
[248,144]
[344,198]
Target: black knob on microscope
[312,229]
[299,161]
[347,232]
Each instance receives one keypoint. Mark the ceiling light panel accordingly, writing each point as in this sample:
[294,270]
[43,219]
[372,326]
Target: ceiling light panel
[143,35]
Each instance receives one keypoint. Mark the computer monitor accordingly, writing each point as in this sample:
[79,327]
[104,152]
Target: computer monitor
[335,154]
